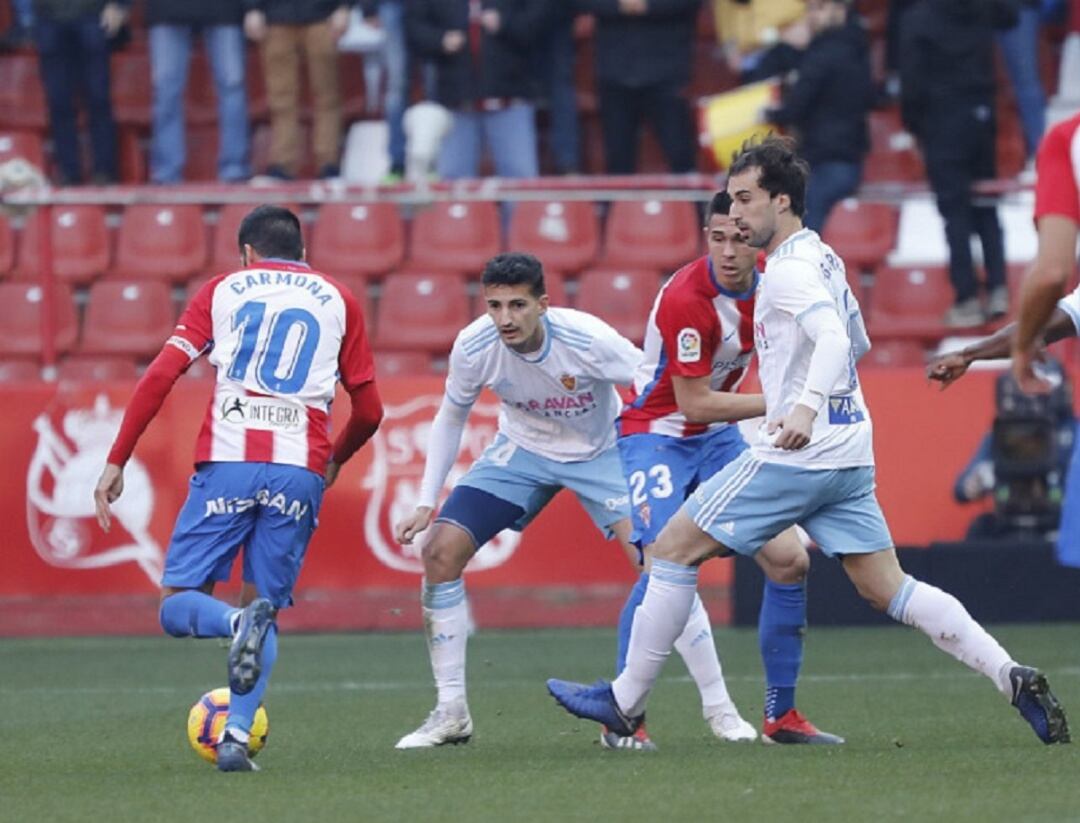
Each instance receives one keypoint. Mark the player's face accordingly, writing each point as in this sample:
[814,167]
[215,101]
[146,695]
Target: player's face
[753,209]
[731,256]
[517,314]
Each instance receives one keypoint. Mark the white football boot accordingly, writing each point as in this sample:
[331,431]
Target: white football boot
[448,723]
[727,724]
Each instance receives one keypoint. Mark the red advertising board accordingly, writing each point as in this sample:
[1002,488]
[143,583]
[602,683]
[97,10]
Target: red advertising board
[62,574]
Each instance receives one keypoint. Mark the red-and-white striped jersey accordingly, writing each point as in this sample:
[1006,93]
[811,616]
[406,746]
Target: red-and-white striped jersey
[1057,190]
[280,336]
[696,329]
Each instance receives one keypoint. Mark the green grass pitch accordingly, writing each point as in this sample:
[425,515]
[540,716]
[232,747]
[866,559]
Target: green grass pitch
[93,729]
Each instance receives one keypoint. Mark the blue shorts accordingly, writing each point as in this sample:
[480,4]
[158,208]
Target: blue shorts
[751,501]
[1068,545]
[269,509]
[528,481]
[662,471]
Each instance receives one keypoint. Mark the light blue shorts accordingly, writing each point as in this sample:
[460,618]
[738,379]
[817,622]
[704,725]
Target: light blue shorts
[661,472]
[751,501]
[526,479]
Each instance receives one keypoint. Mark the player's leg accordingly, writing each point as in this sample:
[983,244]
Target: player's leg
[742,493]
[781,630]
[854,528]
[501,490]
[286,501]
[204,543]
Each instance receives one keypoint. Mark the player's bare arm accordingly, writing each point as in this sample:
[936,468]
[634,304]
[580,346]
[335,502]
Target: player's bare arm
[1043,287]
[951,366]
[701,404]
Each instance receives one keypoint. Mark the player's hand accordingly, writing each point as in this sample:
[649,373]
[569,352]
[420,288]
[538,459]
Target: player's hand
[407,529]
[332,470]
[795,428]
[1023,371]
[255,25]
[947,369]
[109,488]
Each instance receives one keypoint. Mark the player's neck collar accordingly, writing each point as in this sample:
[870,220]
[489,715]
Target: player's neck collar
[538,354]
[737,295]
[281,261]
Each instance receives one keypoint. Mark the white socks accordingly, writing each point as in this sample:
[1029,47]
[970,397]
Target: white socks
[446,627]
[659,621]
[947,623]
[698,651]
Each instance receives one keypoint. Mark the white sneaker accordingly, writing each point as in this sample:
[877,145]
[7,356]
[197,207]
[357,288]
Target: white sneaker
[727,724]
[449,723]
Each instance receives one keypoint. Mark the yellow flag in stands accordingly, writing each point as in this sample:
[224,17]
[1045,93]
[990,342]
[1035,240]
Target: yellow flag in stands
[726,120]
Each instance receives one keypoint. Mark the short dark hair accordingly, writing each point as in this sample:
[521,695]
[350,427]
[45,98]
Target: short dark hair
[782,170]
[720,204]
[273,231]
[514,269]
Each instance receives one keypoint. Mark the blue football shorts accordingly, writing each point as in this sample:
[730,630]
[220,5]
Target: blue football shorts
[527,482]
[661,472]
[269,509]
[1068,545]
[751,501]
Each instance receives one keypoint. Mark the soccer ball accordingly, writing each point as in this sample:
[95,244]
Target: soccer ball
[206,721]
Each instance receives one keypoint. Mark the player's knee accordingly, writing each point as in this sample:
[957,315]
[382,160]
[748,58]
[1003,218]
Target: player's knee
[785,561]
[444,557]
[172,617]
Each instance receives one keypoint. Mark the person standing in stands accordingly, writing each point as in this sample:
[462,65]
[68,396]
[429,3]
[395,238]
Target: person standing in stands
[947,102]
[644,51]
[288,29]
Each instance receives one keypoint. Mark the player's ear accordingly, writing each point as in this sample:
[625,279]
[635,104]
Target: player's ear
[303,254]
[783,202]
[544,302]
[245,255]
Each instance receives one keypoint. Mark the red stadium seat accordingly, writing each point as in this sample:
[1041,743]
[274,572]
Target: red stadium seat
[131,317]
[7,246]
[621,297]
[554,282]
[862,234]
[362,239]
[91,369]
[20,318]
[456,237]
[25,144]
[421,312]
[19,371]
[565,235]
[651,234]
[909,303]
[402,364]
[129,86]
[161,242]
[80,244]
[894,353]
[22,96]
[225,251]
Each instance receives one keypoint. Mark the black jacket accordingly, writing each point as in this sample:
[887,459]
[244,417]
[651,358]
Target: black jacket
[503,68]
[947,56]
[651,49]
[296,12]
[828,102]
[63,10]
[195,12]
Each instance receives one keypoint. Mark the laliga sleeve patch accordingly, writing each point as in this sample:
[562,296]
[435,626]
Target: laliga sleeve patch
[689,346]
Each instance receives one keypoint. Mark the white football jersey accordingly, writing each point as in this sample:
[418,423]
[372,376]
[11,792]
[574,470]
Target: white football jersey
[1070,304]
[803,275]
[559,402]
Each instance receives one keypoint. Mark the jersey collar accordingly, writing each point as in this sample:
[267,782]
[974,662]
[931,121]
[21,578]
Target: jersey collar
[737,295]
[281,262]
[545,348]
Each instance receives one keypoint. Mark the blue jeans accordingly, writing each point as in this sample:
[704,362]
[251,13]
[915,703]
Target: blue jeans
[395,60]
[829,183]
[74,57]
[170,58]
[509,133]
[1020,48]
[24,13]
[554,64]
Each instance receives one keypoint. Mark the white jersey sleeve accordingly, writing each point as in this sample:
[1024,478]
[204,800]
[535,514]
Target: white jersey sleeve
[1070,304]
[612,357]
[802,289]
[463,380]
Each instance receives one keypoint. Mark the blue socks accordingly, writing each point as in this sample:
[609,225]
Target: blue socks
[626,620]
[781,626]
[195,614]
[242,707]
